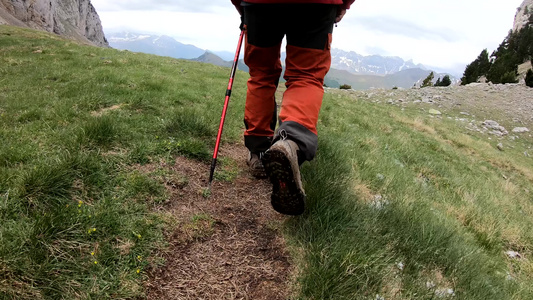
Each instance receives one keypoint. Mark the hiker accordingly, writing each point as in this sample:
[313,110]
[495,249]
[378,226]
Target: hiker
[308,25]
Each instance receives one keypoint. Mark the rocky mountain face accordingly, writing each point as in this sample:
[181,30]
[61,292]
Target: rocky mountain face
[76,19]
[370,65]
[522,15]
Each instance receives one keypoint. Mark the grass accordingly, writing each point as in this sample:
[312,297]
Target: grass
[392,187]
[75,124]
[401,205]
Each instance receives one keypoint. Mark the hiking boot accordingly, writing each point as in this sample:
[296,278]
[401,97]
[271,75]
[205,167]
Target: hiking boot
[281,166]
[255,165]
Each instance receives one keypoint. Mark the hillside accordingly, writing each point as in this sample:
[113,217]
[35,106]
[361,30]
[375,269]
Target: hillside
[414,194]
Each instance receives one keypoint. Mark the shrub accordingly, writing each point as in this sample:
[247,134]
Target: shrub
[345,87]
[529,78]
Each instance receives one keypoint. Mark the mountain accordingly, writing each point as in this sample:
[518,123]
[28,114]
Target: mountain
[75,19]
[369,65]
[402,79]
[211,58]
[361,72]
[161,45]
[226,55]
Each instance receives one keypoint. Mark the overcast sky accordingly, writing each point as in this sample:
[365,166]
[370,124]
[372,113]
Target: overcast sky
[444,34]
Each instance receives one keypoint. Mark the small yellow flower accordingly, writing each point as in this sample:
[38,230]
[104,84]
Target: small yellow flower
[138,271]
[95,262]
[68,205]
[80,203]
[139,257]
[139,236]
[92,253]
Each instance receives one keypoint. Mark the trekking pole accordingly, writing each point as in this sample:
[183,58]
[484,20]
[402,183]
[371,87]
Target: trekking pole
[226,102]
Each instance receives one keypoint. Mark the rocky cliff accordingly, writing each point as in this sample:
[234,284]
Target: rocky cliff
[522,15]
[76,19]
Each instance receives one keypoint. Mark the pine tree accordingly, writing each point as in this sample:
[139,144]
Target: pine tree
[428,81]
[479,67]
[446,81]
[504,68]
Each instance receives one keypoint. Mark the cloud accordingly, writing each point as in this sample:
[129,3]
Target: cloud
[446,34]
[193,6]
[377,50]
[392,26]
[204,30]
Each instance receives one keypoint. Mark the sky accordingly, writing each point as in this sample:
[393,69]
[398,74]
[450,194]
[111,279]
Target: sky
[445,35]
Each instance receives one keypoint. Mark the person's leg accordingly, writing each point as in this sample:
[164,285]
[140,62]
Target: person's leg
[264,34]
[308,61]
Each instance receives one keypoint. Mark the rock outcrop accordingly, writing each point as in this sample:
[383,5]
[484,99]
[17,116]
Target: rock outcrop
[522,15]
[76,19]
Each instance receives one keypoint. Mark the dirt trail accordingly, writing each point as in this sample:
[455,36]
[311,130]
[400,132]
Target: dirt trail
[226,246]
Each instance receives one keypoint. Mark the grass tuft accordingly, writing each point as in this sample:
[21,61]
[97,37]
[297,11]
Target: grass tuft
[101,131]
[188,122]
[46,183]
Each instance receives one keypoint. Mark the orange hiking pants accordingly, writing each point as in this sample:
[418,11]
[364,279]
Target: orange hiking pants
[308,29]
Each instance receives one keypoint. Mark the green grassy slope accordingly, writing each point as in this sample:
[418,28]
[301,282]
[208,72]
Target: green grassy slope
[400,205]
[74,122]
[407,206]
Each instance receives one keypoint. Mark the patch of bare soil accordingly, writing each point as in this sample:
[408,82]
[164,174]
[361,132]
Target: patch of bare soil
[102,111]
[225,246]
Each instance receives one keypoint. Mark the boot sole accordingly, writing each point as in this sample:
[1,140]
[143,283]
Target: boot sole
[286,197]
